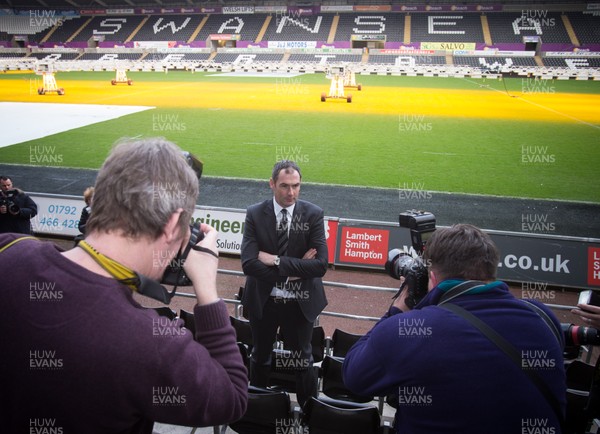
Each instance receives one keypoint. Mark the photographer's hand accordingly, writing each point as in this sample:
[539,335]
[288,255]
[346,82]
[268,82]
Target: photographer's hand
[400,301]
[590,314]
[201,267]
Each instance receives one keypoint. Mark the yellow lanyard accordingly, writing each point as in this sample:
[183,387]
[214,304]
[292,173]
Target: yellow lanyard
[120,272]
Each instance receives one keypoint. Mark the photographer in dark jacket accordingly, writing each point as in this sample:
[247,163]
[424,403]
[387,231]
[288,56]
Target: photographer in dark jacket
[16,208]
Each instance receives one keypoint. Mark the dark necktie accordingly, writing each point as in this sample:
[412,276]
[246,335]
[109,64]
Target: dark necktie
[282,234]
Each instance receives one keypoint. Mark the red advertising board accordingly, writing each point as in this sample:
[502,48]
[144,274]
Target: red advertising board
[363,245]
[331,230]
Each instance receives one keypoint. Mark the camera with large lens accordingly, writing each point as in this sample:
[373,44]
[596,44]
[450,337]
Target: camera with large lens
[578,336]
[413,270]
[8,200]
[174,273]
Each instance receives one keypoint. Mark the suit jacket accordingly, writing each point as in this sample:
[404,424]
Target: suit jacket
[307,231]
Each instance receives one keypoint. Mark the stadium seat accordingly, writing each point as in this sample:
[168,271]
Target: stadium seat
[242,331]
[342,341]
[333,384]
[328,416]
[267,412]
[318,343]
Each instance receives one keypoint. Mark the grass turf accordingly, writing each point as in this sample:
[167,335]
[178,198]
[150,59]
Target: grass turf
[518,138]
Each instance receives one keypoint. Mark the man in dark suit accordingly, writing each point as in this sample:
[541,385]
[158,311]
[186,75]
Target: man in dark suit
[284,256]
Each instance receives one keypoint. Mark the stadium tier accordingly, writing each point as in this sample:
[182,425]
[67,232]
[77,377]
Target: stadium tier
[366,37]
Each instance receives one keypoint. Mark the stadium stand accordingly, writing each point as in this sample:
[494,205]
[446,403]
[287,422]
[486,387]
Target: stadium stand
[169,28]
[387,42]
[445,27]
[111,28]
[325,58]
[586,26]
[303,28]
[247,26]
[511,27]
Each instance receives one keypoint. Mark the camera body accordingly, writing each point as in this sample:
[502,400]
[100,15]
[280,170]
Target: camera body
[8,200]
[414,272]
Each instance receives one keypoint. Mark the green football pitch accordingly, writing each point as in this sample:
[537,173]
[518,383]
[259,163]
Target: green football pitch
[514,137]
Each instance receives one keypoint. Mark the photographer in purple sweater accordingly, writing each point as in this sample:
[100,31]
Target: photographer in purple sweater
[79,354]
[442,372]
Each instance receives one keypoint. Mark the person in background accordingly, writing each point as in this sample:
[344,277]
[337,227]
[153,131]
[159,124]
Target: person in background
[16,208]
[284,256]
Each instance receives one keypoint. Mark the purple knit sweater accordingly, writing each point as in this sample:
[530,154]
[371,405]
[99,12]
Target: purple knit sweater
[81,356]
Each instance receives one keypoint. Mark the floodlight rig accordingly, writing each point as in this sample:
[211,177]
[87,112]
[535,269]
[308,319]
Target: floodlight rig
[48,80]
[350,79]
[121,77]
[336,90]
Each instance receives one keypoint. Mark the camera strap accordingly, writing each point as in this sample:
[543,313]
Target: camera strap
[511,352]
[136,282]
[460,289]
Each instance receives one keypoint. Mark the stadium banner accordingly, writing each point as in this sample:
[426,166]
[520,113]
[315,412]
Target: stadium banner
[572,54]
[58,215]
[153,44]
[338,8]
[372,8]
[287,45]
[448,8]
[524,257]
[212,10]
[129,11]
[270,9]
[234,10]
[448,46]
[92,12]
[296,11]
[379,37]
[544,259]
[224,37]
[40,13]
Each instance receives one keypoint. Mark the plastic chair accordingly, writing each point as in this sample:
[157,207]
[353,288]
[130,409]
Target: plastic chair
[333,384]
[267,412]
[342,341]
[329,416]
